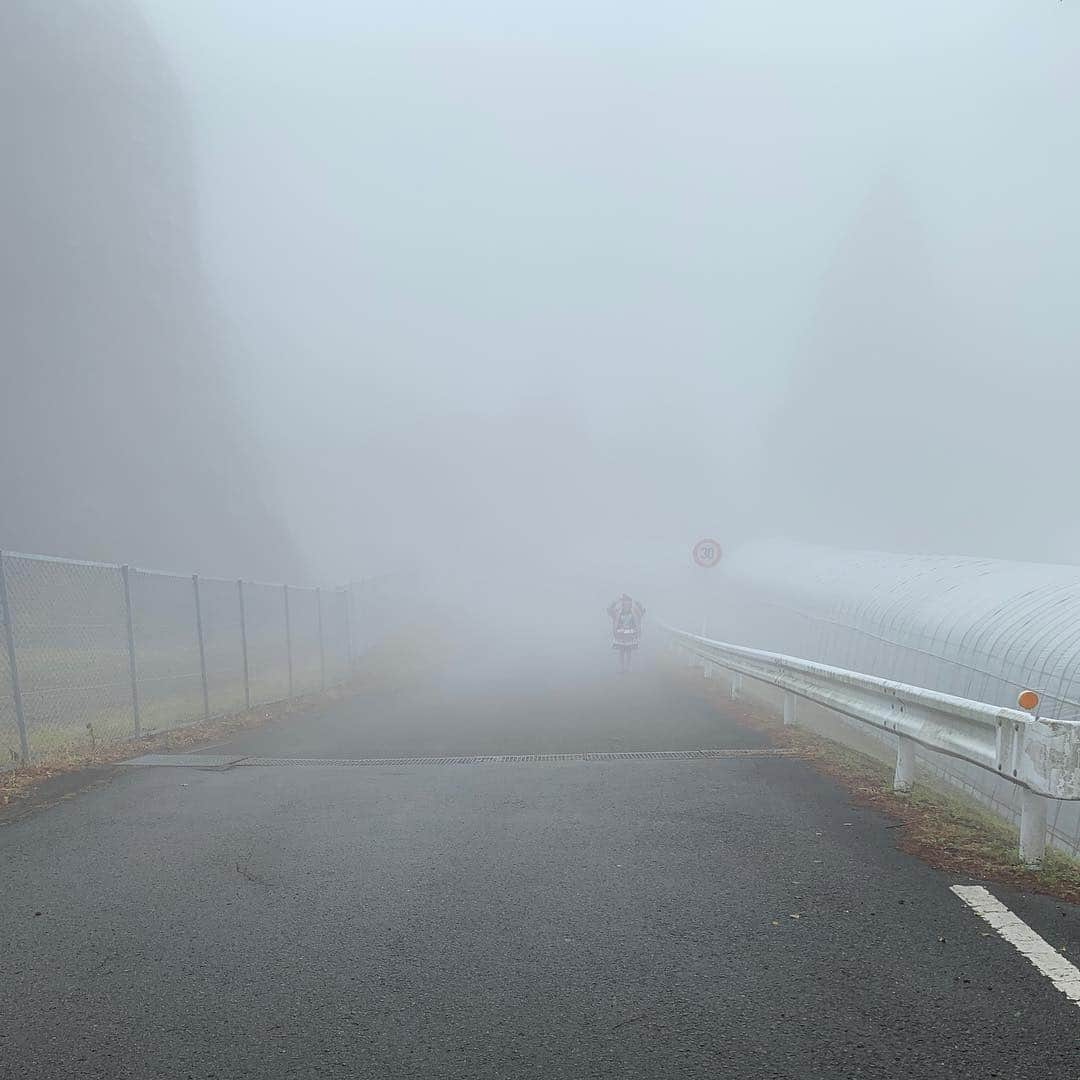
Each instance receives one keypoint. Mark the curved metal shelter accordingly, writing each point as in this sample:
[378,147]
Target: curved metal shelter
[983,629]
[979,628]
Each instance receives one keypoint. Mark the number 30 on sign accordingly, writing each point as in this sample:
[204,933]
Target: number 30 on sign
[707,552]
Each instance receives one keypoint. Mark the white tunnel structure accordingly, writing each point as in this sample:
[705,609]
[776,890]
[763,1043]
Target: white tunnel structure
[978,628]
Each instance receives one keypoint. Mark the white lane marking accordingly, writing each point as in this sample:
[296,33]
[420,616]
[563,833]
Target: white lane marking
[1065,976]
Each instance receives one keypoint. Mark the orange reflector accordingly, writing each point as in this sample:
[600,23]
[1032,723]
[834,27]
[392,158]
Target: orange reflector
[1028,699]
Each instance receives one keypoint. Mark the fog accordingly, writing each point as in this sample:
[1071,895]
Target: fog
[441,324]
[502,295]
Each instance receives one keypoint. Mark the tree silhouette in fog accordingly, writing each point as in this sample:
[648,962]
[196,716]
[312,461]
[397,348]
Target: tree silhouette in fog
[883,437]
[120,432]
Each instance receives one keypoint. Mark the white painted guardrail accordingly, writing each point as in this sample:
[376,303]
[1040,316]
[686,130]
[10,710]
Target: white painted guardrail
[1041,756]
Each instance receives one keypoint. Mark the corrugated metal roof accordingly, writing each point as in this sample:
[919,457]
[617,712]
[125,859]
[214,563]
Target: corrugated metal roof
[981,628]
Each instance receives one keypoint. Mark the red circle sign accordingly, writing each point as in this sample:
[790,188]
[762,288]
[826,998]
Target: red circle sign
[707,553]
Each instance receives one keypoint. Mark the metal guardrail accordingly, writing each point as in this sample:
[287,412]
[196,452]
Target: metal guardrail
[1041,756]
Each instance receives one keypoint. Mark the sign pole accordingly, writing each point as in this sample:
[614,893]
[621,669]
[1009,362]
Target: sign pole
[706,554]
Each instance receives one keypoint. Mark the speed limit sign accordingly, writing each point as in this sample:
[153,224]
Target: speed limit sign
[707,553]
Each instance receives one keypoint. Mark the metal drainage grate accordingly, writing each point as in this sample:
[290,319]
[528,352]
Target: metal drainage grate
[522,759]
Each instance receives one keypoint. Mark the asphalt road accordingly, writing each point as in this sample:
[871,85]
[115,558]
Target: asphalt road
[731,917]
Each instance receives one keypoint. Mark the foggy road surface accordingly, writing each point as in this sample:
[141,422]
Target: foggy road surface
[731,917]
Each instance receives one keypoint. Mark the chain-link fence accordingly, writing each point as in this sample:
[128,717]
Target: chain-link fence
[168,667]
[223,645]
[337,634]
[305,636]
[267,642]
[95,653]
[67,624]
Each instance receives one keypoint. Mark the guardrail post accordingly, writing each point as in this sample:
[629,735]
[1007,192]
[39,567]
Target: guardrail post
[322,647]
[789,708]
[13,667]
[125,574]
[202,648]
[1032,828]
[288,636]
[904,780]
[736,685]
[706,668]
[243,645]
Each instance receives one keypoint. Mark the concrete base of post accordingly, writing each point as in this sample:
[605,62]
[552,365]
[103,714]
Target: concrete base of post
[904,779]
[789,709]
[1032,828]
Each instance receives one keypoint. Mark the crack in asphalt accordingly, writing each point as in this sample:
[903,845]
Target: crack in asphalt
[251,876]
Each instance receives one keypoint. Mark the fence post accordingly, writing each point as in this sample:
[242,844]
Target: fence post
[736,685]
[356,611]
[202,648]
[904,780]
[125,574]
[322,648]
[348,633]
[13,667]
[243,645]
[1032,828]
[288,636]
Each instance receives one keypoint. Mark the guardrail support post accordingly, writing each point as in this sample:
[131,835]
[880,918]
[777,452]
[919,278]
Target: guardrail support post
[789,708]
[13,667]
[706,668]
[125,574]
[202,648]
[1032,828]
[736,685]
[905,765]
[243,645]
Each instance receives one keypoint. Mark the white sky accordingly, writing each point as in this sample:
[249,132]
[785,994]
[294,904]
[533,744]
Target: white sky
[618,214]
